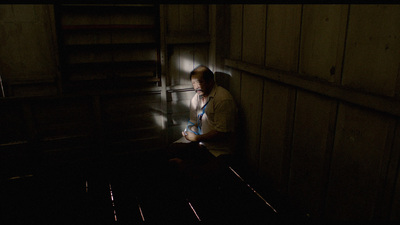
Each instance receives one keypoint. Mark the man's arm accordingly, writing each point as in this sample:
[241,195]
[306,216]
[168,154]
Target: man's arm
[210,136]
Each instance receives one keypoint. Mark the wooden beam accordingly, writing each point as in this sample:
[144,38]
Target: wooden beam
[163,70]
[187,39]
[381,103]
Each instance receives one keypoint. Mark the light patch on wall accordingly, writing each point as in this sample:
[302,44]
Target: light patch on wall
[186,65]
[159,120]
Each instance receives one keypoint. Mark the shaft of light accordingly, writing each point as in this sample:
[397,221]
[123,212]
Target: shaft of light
[194,211]
[140,209]
[112,201]
[141,212]
[252,189]
[1,87]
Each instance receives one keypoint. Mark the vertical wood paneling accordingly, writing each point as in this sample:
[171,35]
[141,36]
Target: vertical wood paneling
[27,51]
[388,173]
[394,200]
[373,48]
[186,63]
[182,58]
[235,49]
[254,22]
[201,25]
[251,104]
[200,54]
[254,17]
[312,147]
[186,51]
[173,52]
[174,65]
[178,111]
[276,130]
[357,161]
[173,19]
[236,31]
[200,18]
[395,212]
[322,41]
[186,18]
[283,36]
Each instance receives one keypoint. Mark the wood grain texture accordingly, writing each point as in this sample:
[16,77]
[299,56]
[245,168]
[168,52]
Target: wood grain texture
[27,50]
[251,105]
[254,23]
[236,31]
[173,21]
[356,97]
[311,153]
[283,36]
[200,18]
[276,133]
[394,175]
[357,161]
[373,50]
[186,17]
[322,41]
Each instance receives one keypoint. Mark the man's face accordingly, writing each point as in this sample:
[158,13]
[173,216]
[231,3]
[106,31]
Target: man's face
[200,86]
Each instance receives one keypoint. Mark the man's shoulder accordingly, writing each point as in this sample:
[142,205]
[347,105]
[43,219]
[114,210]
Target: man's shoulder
[222,93]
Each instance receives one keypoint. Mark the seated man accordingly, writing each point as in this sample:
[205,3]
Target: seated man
[212,123]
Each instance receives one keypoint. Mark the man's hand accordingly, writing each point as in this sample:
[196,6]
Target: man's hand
[190,136]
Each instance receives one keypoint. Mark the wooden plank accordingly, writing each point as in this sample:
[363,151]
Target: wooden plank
[373,49]
[357,161]
[188,39]
[178,113]
[380,103]
[173,21]
[251,104]
[254,18]
[212,64]
[186,63]
[186,17]
[322,41]
[235,49]
[200,18]
[235,85]
[254,23]
[394,176]
[27,49]
[173,65]
[129,104]
[236,24]
[200,55]
[221,32]
[163,58]
[283,36]
[388,173]
[276,133]
[314,127]
[33,89]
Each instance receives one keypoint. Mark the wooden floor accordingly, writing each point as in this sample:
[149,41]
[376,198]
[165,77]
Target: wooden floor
[131,189]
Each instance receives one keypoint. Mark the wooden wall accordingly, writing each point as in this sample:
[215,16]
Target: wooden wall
[187,40]
[40,125]
[28,62]
[38,119]
[318,87]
